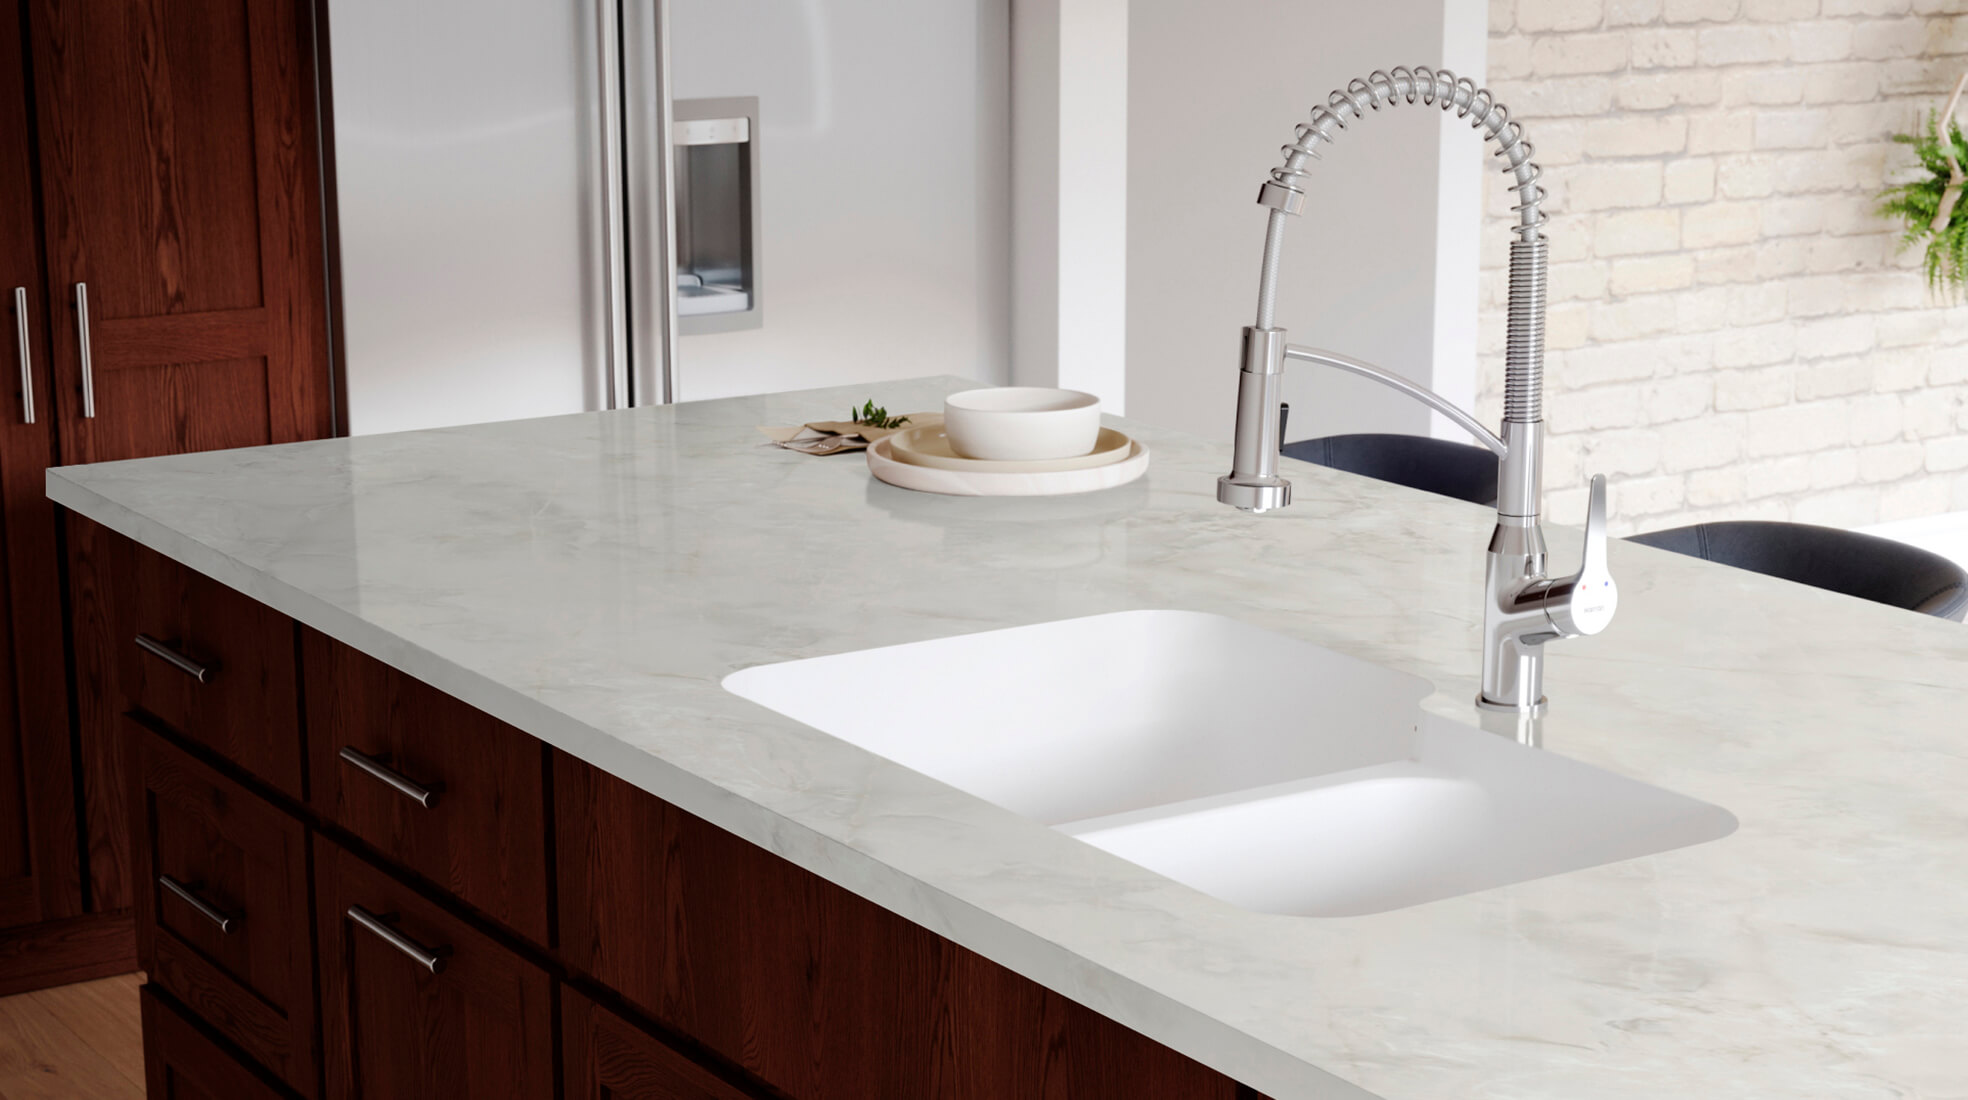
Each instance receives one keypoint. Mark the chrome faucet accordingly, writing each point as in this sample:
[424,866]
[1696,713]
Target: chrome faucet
[1523,608]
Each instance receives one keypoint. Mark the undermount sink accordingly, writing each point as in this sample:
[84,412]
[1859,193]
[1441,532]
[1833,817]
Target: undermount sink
[1274,774]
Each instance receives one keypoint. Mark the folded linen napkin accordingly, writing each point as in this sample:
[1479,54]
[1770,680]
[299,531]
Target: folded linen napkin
[826,437]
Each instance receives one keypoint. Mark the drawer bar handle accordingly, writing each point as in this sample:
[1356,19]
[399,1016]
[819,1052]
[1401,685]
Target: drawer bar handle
[415,792]
[432,961]
[205,908]
[184,664]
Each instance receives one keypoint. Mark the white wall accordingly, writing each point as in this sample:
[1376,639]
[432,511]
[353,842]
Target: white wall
[1459,224]
[1214,91]
[884,153]
[1069,187]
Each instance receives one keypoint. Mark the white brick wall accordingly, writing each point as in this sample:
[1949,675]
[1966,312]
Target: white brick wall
[1733,334]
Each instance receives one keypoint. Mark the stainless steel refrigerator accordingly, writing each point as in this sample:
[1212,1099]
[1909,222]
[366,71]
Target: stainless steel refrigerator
[545,206]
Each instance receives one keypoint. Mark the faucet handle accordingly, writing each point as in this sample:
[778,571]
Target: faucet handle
[1594,561]
[1584,602]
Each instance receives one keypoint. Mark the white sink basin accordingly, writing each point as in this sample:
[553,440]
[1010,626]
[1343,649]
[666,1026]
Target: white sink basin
[1275,774]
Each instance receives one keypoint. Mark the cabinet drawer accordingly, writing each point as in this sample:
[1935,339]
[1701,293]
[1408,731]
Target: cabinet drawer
[449,791]
[417,1004]
[222,909]
[609,1058]
[181,1063]
[214,665]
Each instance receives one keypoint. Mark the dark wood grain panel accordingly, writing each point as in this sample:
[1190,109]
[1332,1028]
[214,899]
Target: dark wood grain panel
[609,1058]
[95,555]
[818,992]
[209,406]
[485,838]
[40,865]
[151,92]
[181,1062]
[64,951]
[254,980]
[482,1028]
[293,262]
[182,338]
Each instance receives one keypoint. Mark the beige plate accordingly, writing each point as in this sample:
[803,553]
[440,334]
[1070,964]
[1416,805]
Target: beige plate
[930,446]
[972,482]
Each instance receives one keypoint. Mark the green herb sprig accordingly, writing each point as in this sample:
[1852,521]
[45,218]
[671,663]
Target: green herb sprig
[875,418]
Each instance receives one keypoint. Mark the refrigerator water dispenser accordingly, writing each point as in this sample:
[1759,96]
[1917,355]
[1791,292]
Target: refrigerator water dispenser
[717,204]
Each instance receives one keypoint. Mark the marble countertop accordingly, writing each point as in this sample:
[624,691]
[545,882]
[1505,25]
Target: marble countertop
[592,578]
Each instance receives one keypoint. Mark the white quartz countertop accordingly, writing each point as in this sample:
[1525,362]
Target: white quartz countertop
[592,578]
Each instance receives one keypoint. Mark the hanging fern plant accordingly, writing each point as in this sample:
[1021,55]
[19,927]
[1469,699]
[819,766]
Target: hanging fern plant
[1931,206]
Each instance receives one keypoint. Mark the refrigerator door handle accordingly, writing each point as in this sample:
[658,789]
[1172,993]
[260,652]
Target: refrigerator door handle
[650,163]
[609,182]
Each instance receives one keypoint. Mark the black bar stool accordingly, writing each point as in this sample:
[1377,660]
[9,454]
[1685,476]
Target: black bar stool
[1866,566]
[1461,470]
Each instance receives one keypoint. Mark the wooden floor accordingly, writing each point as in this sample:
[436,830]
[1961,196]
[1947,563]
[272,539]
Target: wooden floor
[73,1041]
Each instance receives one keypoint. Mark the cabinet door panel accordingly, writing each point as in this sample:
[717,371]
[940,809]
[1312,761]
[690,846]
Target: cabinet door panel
[178,165]
[222,910]
[180,1063]
[40,873]
[480,1027]
[609,1058]
[482,833]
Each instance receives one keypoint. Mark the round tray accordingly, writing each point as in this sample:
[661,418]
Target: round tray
[930,446]
[977,483]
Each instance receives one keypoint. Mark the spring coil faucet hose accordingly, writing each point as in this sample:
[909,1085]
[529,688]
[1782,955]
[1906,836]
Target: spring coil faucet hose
[1429,87]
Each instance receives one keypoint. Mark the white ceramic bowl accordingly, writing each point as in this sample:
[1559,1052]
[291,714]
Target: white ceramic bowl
[1021,423]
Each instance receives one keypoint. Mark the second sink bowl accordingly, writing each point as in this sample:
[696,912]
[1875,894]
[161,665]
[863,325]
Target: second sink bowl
[1274,774]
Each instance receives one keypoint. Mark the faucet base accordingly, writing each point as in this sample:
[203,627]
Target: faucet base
[1525,726]
[1511,708]
[1253,494]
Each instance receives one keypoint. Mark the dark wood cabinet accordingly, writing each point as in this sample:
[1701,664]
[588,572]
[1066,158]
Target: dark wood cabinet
[609,1058]
[415,1002]
[222,905]
[442,787]
[182,1063]
[181,195]
[163,285]
[40,873]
